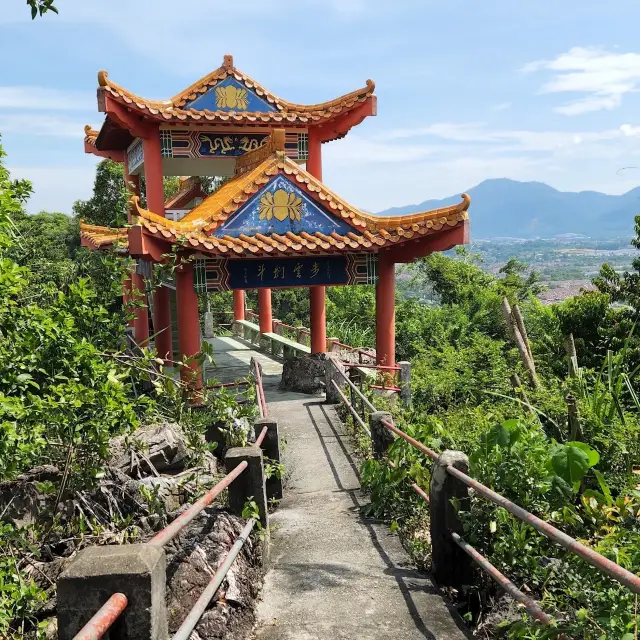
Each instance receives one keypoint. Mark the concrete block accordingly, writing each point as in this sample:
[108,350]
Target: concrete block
[271,453]
[451,565]
[137,570]
[208,324]
[381,437]
[405,382]
[250,484]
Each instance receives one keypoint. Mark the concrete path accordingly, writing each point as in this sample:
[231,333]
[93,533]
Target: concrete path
[334,575]
[232,357]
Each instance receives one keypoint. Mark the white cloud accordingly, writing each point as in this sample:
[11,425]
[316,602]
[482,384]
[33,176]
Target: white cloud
[603,76]
[502,106]
[41,125]
[401,166]
[45,99]
[508,139]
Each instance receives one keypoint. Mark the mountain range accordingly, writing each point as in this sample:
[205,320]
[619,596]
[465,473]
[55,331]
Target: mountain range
[502,207]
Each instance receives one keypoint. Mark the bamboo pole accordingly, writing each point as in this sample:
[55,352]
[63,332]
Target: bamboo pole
[523,330]
[574,418]
[570,348]
[514,332]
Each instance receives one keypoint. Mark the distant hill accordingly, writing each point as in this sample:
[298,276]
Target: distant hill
[502,207]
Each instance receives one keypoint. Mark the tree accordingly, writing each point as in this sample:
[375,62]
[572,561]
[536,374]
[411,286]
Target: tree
[517,283]
[40,7]
[107,206]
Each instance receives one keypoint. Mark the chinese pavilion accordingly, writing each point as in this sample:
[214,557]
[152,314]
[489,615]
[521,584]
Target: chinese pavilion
[273,223]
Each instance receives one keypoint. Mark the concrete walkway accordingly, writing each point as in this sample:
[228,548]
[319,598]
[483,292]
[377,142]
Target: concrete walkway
[333,574]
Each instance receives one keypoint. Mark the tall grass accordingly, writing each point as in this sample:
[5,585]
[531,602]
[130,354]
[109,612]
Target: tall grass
[351,333]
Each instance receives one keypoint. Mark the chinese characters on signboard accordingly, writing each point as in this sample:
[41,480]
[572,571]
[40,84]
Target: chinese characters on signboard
[293,272]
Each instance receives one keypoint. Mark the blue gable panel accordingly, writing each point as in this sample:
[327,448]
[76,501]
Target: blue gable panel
[278,207]
[230,95]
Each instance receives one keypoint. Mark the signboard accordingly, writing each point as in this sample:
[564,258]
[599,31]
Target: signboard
[221,274]
[288,272]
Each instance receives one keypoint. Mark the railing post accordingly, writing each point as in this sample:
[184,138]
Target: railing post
[276,347]
[331,345]
[248,485]
[332,373]
[271,452]
[405,382]
[451,565]
[136,570]
[208,324]
[381,437]
[301,336]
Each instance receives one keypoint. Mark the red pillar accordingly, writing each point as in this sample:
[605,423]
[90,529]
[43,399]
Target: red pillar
[386,312]
[141,319]
[188,324]
[153,172]
[318,318]
[317,295]
[314,158]
[238,304]
[264,310]
[162,323]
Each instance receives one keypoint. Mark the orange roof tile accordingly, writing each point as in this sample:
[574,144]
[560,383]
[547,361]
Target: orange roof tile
[103,237]
[224,202]
[90,135]
[285,112]
[369,232]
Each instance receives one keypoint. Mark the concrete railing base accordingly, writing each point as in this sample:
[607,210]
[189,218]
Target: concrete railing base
[136,570]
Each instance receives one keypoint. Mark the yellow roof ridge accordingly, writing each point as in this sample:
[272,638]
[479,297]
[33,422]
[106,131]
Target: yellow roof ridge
[175,105]
[223,203]
[90,135]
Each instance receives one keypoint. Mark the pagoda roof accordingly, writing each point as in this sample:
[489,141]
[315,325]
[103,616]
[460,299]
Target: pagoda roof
[98,237]
[280,190]
[236,98]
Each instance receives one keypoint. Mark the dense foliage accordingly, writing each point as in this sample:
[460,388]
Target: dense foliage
[449,324]
[67,382]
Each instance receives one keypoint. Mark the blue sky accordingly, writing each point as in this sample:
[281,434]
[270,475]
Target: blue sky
[467,90]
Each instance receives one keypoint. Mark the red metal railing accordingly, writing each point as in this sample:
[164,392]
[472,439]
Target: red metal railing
[595,559]
[175,527]
[412,441]
[380,367]
[351,408]
[262,436]
[385,376]
[104,618]
[262,403]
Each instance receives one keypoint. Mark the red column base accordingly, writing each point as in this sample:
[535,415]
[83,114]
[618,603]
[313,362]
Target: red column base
[162,324]
[238,304]
[264,310]
[318,319]
[188,326]
[386,313]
